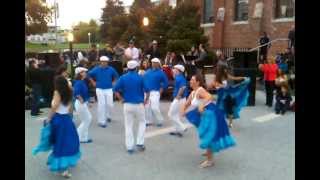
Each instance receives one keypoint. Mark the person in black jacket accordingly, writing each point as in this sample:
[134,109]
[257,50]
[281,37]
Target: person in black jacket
[291,37]
[34,80]
[283,100]
[264,49]
[154,50]
[93,55]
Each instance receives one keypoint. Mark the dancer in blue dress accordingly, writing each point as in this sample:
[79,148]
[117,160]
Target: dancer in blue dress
[59,133]
[231,97]
[208,119]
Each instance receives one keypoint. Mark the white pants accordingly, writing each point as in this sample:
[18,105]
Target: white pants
[148,111]
[131,112]
[84,115]
[105,103]
[155,106]
[174,114]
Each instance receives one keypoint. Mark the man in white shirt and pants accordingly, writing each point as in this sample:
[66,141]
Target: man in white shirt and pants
[132,52]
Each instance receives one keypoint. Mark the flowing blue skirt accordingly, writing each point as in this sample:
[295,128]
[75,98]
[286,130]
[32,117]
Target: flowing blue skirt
[61,137]
[239,93]
[212,128]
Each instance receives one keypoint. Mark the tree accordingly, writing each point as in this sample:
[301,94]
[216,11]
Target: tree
[37,16]
[160,23]
[114,21]
[185,30]
[138,10]
[83,28]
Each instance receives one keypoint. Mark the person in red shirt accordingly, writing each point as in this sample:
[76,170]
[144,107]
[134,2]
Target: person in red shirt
[269,70]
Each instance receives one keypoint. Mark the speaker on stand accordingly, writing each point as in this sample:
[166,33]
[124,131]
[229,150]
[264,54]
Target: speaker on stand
[245,64]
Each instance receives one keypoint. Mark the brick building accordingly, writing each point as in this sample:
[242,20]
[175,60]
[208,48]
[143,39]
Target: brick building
[244,21]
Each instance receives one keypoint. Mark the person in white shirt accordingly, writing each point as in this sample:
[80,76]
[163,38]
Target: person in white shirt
[132,52]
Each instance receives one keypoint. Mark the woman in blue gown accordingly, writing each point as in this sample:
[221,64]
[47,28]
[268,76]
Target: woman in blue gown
[59,133]
[231,97]
[209,120]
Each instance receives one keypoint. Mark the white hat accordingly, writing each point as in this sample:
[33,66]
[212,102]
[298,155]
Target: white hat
[179,67]
[80,69]
[156,60]
[104,58]
[154,42]
[132,64]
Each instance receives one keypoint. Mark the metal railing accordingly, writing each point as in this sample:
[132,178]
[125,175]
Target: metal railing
[275,40]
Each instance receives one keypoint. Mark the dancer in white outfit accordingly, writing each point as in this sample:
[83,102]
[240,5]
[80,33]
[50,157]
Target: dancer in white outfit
[179,94]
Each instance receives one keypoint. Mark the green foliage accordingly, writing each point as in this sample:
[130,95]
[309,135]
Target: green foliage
[114,21]
[83,28]
[185,30]
[138,10]
[36,17]
[179,45]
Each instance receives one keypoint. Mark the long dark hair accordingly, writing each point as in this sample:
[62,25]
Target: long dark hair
[199,78]
[221,73]
[60,70]
[61,85]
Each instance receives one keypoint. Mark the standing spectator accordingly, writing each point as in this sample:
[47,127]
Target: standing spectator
[283,99]
[132,53]
[154,50]
[118,52]
[190,64]
[200,62]
[132,87]
[270,70]
[145,65]
[288,57]
[92,55]
[34,80]
[292,38]
[222,61]
[107,51]
[168,59]
[264,39]
[104,75]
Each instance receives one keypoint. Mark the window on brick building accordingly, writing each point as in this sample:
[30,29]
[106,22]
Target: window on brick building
[283,8]
[241,10]
[207,11]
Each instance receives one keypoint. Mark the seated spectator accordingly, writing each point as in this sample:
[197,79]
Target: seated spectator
[280,80]
[283,100]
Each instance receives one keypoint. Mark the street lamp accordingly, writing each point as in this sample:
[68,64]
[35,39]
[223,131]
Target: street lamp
[145,21]
[89,35]
[70,40]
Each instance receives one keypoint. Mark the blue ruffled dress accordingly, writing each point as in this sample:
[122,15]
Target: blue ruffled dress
[240,94]
[60,136]
[212,128]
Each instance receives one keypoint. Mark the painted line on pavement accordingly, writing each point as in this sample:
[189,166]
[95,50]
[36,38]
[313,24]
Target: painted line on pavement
[164,131]
[265,118]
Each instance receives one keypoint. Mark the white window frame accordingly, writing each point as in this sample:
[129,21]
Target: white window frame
[284,19]
[207,25]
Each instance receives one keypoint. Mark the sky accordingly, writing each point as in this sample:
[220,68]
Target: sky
[73,11]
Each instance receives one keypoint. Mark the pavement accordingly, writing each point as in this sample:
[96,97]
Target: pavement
[265,150]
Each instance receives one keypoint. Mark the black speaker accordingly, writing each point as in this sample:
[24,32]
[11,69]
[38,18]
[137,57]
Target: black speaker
[252,74]
[245,59]
[47,84]
[52,59]
[117,65]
